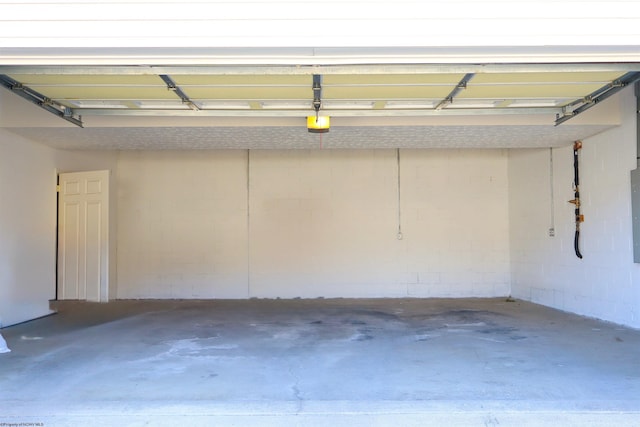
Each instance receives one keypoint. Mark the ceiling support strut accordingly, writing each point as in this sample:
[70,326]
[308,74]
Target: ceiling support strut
[40,100]
[172,86]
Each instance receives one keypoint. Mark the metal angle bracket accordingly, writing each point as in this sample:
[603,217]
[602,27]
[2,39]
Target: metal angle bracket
[40,100]
[172,86]
[317,92]
[462,84]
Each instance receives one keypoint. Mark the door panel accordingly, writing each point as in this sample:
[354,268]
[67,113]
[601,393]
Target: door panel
[69,245]
[93,259]
[83,230]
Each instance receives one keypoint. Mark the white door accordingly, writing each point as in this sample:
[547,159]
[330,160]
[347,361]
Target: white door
[83,236]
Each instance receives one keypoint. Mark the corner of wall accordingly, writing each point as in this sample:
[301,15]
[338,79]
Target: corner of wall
[545,270]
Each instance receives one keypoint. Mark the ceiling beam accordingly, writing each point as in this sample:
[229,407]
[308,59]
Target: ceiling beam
[334,113]
[319,69]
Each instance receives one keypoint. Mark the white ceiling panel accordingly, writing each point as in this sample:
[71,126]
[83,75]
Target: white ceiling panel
[130,90]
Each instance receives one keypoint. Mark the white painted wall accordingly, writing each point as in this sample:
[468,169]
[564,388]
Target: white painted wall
[545,269]
[456,222]
[182,224]
[27,229]
[320,223]
[28,223]
[324,223]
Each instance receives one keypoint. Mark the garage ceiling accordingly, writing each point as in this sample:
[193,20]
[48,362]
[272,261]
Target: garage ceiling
[557,92]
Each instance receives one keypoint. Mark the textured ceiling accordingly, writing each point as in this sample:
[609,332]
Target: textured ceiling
[286,137]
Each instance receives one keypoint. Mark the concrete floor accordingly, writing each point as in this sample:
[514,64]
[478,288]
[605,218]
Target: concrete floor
[399,362]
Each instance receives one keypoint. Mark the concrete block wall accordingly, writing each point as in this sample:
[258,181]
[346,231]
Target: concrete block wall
[455,223]
[182,224]
[324,223]
[311,223]
[545,269]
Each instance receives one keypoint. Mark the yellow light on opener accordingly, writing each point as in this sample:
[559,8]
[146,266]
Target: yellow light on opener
[318,124]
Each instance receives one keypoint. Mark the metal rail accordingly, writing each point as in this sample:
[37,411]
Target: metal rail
[40,100]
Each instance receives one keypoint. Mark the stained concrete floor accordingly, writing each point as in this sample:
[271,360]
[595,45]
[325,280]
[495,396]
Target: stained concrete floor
[334,362]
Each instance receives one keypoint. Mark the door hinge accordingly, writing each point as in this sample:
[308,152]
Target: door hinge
[57,188]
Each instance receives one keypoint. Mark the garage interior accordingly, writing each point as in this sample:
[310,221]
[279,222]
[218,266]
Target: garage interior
[414,265]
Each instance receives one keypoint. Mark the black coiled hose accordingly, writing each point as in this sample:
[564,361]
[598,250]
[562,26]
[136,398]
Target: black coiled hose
[576,201]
